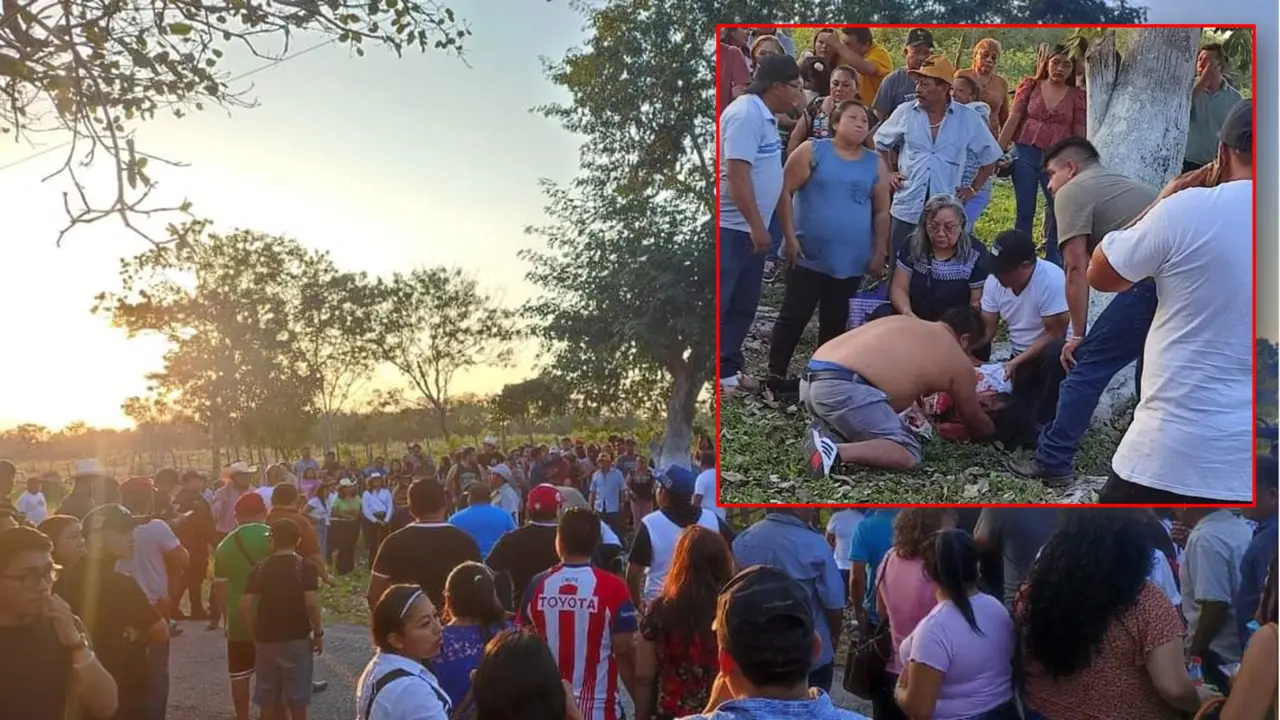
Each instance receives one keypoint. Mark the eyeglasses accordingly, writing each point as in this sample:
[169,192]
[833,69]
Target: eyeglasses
[947,228]
[32,577]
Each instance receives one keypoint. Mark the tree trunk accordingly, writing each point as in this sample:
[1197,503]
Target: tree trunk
[1139,112]
[677,439]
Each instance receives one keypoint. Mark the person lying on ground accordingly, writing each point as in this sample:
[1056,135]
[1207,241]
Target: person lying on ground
[857,384]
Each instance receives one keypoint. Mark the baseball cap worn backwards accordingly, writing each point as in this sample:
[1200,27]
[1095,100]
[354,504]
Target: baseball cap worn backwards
[113,517]
[1237,129]
[758,596]
[677,479]
[774,70]
[1010,249]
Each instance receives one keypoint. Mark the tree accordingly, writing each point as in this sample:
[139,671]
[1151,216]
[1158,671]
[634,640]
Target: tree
[233,365]
[628,268]
[1139,113]
[1266,367]
[434,323]
[333,320]
[95,68]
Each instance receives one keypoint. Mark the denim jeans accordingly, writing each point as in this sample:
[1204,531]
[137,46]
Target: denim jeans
[775,236]
[741,274]
[322,535]
[1115,340]
[975,207]
[1028,177]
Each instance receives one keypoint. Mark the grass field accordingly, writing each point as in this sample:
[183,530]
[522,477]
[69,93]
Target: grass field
[760,440]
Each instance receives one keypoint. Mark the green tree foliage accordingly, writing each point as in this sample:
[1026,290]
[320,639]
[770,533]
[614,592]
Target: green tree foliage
[434,323]
[229,307]
[97,67]
[628,266]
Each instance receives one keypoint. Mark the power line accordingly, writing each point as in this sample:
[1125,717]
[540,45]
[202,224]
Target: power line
[241,76]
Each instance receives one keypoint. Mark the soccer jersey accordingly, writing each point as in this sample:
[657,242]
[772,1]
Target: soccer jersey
[577,609]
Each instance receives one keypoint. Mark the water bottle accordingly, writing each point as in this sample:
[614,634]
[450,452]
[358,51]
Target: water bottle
[1195,671]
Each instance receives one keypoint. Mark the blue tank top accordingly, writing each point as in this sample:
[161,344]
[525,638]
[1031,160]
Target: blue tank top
[833,210]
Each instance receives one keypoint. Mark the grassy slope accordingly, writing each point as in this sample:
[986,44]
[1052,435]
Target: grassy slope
[761,442]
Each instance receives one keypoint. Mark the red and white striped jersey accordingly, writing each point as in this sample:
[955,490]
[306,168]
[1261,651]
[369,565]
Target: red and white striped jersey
[578,609]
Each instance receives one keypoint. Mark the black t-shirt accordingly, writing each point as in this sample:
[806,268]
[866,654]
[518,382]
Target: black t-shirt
[521,554]
[77,505]
[683,516]
[35,672]
[424,554]
[641,485]
[279,582]
[113,609]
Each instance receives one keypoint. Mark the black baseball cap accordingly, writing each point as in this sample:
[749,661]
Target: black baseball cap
[110,517]
[919,36]
[1237,129]
[772,70]
[1010,249]
[758,595]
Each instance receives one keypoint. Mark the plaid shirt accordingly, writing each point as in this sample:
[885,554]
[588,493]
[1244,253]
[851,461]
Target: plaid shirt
[820,708]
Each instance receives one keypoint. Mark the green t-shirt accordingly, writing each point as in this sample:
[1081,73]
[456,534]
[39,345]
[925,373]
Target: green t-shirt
[231,565]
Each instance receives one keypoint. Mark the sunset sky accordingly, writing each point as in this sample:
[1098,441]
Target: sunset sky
[387,163]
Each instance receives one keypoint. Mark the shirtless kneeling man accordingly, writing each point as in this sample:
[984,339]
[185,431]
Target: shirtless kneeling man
[858,384]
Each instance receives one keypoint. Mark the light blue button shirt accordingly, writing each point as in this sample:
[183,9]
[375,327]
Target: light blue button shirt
[933,165]
[749,132]
[786,543]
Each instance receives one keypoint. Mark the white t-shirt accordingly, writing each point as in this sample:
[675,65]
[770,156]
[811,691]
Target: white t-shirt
[147,564]
[508,499]
[841,525]
[1192,432]
[1162,576]
[705,485]
[1044,296]
[265,491]
[33,507]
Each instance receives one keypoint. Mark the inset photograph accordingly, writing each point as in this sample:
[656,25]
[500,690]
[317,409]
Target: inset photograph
[987,264]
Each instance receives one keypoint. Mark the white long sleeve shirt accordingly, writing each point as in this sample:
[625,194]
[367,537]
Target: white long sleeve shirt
[33,507]
[376,501]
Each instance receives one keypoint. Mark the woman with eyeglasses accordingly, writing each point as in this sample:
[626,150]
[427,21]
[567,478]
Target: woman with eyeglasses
[396,684]
[938,268]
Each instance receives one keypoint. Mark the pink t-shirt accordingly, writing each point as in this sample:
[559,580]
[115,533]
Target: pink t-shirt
[908,596]
[977,669]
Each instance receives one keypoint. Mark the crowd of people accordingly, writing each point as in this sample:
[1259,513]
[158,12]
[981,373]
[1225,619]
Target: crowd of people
[842,170]
[944,613]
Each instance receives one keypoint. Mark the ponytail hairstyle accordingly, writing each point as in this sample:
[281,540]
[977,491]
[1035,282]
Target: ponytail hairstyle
[952,564]
[470,593]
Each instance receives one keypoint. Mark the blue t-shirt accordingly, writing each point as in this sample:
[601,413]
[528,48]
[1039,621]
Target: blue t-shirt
[871,540]
[608,489]
[749,132]
[460,650]
[484,523]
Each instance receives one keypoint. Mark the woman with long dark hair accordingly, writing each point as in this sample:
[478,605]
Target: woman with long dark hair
[68,542]
[1096,634]
[904,595]
[1047,108]
[396,685]
[676,652]
[472,616]
[958,660]
[518,679]
[319,512]
[840,232]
